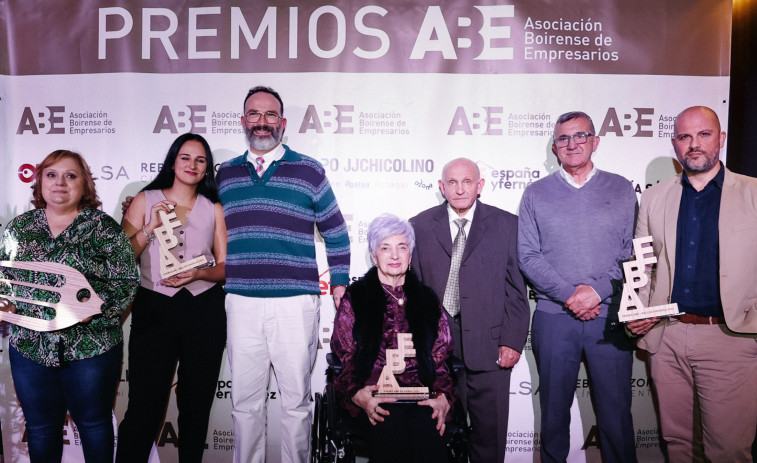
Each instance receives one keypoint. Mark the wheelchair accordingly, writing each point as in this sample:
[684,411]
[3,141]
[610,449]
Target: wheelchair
[334,440]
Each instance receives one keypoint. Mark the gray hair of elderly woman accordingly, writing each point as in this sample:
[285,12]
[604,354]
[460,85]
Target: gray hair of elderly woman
[385,226]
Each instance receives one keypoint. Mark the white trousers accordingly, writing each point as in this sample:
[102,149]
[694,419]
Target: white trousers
[265,332]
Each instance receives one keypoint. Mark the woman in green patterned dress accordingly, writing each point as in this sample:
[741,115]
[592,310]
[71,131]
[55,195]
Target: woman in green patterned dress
[75,368]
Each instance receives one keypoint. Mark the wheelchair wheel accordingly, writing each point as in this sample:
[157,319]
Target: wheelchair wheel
[318,431]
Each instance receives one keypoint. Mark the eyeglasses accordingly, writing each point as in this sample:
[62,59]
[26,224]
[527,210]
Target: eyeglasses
[271,117]
[579,138]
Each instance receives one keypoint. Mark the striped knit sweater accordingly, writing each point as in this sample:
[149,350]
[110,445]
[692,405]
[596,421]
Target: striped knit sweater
[271,246]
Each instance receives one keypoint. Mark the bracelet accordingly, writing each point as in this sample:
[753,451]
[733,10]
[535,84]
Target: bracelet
[150,238]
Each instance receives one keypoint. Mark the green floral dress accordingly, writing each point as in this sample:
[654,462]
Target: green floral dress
[93,244]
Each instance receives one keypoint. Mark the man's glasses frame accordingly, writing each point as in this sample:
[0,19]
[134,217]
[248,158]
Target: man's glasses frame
[579,138]
[271,117]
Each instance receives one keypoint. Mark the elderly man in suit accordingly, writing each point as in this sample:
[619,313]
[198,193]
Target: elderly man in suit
[703,364]
[466,251]
[575,227]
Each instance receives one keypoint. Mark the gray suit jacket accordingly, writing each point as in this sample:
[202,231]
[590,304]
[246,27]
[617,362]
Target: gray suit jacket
[494,307]
[658,217]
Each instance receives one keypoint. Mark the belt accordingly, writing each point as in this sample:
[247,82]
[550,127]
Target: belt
[694,319]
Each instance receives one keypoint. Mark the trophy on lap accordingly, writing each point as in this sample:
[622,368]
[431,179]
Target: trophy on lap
[395,364]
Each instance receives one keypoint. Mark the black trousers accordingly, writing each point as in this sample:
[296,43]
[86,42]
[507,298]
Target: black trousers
[407,435]
[184,328]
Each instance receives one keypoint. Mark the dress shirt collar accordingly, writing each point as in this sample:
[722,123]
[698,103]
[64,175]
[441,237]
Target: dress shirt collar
[717,180]
[452,216]
[572,182]
[273,155]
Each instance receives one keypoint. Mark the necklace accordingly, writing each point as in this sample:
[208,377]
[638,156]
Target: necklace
[400,301]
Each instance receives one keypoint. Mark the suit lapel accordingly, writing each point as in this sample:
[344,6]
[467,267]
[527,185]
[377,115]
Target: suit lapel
[476,230]
[728,208]
[442,230]
[672,205]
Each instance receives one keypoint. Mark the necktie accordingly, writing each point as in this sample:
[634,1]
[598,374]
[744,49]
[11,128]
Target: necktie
[452,291]
[259,163]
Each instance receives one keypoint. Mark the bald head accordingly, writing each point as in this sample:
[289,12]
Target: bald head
[698,111]
[461,184]
[697,141]
[461,163]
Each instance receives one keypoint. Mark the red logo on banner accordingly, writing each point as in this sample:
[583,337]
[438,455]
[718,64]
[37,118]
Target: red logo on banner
[26,172]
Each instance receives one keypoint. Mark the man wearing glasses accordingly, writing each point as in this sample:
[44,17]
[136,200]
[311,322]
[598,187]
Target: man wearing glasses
[574,229]
[272,198]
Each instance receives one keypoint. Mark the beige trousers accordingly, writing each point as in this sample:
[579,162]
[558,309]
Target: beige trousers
[706,382]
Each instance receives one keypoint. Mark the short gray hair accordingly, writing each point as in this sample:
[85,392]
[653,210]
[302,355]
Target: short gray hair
[385,226]
[569,117]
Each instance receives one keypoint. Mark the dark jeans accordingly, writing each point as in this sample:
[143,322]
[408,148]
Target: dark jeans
[184,328]
[86,388]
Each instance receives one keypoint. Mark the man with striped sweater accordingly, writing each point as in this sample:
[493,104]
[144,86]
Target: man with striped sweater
[273,198]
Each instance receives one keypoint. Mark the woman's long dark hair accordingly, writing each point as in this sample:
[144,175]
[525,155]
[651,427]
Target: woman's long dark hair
[165,178]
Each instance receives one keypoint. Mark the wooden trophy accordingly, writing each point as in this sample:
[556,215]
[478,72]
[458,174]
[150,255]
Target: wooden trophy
[77,301]
[395,364]
[631,307]
[170,265]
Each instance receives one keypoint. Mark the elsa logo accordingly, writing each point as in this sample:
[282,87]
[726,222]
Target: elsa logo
[51,118]
[26,173]
[191,118]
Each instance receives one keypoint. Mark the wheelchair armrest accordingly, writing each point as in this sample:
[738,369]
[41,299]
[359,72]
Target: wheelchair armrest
[455,364]
[335,365]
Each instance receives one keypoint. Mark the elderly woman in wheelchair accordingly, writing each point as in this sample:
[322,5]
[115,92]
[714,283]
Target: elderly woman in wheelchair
[389,300]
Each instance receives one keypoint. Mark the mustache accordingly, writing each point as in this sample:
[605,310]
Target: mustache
[261,127]
[696,150]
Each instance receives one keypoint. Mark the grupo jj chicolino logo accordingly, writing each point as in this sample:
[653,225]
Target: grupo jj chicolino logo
[58,120]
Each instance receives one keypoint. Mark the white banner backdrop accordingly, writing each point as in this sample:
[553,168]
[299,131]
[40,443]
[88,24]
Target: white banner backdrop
[383,132]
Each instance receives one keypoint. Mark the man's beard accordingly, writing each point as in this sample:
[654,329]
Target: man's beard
[707,163]
[263,143]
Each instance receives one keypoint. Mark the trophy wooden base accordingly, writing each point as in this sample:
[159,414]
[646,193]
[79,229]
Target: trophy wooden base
[642,313]
[176,269]
[406,394]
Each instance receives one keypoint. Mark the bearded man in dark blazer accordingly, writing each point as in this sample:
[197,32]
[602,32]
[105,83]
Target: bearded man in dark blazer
[484,297]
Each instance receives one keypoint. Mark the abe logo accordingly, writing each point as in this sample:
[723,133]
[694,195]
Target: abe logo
[636,123]
[436,36]
[338,120]
[191,119]
[486,121]
[51,118]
